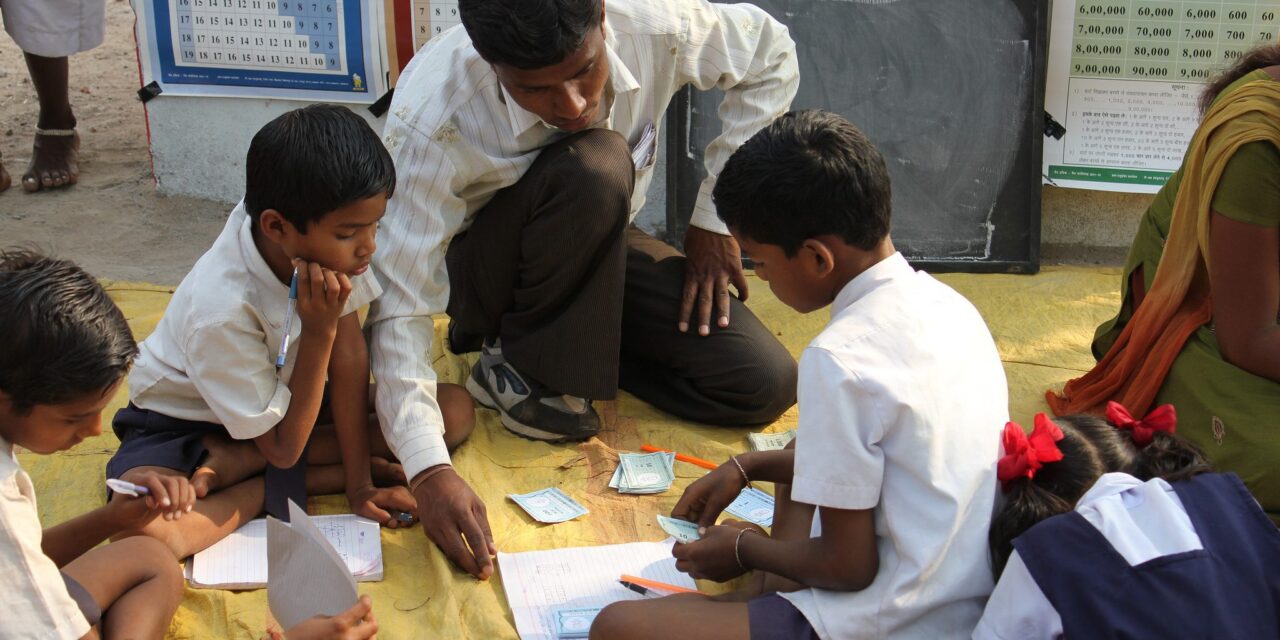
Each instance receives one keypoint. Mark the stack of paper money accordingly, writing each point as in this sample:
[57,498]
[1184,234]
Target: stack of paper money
[575,623]
[770,441]
[644,473]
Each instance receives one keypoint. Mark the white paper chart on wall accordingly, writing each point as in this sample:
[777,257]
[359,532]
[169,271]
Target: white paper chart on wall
[1125,77]
[431,18]
[285,48]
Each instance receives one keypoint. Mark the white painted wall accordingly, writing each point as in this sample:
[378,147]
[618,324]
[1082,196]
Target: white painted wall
[198,145]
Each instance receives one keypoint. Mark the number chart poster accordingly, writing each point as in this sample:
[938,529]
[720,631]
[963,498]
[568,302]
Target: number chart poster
[431,18]
[413,23]
[1125,77]
[304,49]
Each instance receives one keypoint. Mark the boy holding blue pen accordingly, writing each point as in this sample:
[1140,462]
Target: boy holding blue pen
[67,348]
[210,396]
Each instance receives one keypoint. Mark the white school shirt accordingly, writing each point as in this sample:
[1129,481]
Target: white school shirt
[35,603]
[457,138]
[212,358]
[1141,520]
[902,401]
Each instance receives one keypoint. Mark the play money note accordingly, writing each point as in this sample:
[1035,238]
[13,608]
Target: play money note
[575,623]
[681,530]
[549,505]
[770,441]
[753,505]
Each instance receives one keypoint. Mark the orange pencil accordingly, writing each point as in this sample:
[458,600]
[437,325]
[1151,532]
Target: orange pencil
[654,584]
[705,464]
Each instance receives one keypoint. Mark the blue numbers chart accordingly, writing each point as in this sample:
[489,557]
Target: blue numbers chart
[307,49]
[297,35]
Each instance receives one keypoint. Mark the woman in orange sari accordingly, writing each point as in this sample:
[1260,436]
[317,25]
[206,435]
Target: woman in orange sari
[1199,322]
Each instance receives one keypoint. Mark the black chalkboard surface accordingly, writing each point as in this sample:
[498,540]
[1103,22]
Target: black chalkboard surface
[950,91]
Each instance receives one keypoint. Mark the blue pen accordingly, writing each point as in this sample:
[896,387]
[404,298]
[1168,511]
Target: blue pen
[127,488]
[288,320]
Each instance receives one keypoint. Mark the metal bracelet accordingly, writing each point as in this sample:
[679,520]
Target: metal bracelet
[745,479]
[737,556]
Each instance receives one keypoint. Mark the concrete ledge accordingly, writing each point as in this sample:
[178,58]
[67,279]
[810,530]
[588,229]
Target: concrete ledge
[1090,218]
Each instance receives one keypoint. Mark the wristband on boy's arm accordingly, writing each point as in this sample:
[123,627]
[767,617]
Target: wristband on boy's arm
[426,475]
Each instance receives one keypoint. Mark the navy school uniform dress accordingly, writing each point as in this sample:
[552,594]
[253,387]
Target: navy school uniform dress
[1228,589]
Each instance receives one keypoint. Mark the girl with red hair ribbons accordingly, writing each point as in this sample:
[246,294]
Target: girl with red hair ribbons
[1118,528]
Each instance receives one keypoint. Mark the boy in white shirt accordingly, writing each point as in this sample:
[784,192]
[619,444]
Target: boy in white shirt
[210,398]
[67,348]
[883,505]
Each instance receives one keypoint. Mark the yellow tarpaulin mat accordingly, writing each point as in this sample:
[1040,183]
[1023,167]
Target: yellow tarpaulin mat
[1042,325]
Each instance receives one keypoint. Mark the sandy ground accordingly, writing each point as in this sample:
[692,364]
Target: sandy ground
[113,222]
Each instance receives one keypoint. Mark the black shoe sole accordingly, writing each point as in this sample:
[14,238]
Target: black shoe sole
[484,398]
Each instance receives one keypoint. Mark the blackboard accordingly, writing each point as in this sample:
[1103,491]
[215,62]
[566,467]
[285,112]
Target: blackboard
[950,91]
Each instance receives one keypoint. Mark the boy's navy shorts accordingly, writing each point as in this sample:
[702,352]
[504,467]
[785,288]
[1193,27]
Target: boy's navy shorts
[773,617]
[150,439]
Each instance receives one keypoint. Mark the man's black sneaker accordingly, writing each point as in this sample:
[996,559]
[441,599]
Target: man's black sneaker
[529,409]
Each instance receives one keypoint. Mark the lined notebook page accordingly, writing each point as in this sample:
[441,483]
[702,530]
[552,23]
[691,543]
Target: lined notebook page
[539,582]
[239,561]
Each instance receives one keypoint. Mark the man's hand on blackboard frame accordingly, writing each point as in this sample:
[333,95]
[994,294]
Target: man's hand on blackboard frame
[714,262]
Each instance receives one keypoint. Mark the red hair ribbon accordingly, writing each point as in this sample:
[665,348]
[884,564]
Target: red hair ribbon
[1162,418]
[1023,454]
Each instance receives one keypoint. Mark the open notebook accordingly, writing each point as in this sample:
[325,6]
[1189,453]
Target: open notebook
[239,561]
[539,583]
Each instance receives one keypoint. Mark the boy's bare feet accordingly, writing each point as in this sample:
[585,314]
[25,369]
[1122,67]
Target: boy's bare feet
[227,463]
[5,180]
[386,473]
[54,160]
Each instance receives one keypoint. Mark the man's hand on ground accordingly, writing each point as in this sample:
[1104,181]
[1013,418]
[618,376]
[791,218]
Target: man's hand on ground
[454,518]
[714,262]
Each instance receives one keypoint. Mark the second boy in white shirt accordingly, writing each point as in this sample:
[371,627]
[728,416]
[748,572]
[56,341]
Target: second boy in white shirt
[206,397]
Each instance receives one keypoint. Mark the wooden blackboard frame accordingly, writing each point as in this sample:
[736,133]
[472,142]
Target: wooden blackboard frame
[1015,244]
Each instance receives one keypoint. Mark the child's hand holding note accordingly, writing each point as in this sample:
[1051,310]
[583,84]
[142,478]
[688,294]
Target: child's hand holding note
[715,556]
[148,495]
[703,501]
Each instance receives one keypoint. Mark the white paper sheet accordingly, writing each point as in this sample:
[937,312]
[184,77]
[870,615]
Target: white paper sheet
[538,583]
[1124,76]
[239,561]
[307,576]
